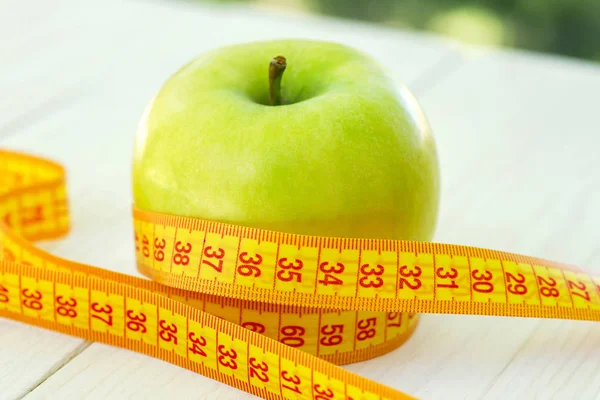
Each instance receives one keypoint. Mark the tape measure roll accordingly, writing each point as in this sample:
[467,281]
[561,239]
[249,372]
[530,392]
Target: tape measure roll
[265,312]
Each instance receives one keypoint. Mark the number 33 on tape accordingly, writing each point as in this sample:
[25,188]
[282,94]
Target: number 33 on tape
[269,313]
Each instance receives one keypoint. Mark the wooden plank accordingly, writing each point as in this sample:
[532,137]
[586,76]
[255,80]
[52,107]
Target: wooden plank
[30,355]
[104,372]
[49,52]
[517,139]
[84,112]
[512,181]
[77,45]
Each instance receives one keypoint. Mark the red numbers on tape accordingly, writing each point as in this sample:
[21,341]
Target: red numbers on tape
[102,313]
[292,335]
[322,393]
[291,380]
[331,335]
[198,342]
[3,294]
[289,271]
[331,273]
[32,299]
[482,282]
[445,277]
[181,256]
[145,243]
[548,287]
[392,317]
[371,276]
[254,326]
[216,255]
[366,328]
[167,332]
[227,357]
[578,289]
[410,277]
[159,245]
[66,307]
[250,265]
[136,322]
[258,370]
[515,284]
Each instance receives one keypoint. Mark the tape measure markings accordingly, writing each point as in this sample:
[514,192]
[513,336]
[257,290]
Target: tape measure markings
[253,308]
[560,293]
[376,345]
[34,290]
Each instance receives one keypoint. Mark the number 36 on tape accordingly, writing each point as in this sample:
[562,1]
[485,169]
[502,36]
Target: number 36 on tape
[269,313]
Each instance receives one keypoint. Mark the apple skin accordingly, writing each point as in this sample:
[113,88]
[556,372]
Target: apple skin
[349,153]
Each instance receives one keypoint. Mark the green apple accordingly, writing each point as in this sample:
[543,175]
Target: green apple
[346,152]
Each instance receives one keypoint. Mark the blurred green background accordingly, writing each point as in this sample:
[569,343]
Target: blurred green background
[566,27]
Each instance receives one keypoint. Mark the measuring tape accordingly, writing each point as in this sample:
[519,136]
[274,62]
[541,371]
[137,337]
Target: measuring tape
[267,312]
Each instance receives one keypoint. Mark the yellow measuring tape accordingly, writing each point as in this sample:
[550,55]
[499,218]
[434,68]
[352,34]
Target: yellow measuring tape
[269,313]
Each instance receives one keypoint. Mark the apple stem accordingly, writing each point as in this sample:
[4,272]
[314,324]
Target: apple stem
[276,68]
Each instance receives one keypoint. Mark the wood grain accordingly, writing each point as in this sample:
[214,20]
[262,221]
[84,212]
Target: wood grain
[79,77]
[517,138]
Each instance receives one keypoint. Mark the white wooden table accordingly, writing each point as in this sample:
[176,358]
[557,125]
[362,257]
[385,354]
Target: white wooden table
[518,137]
